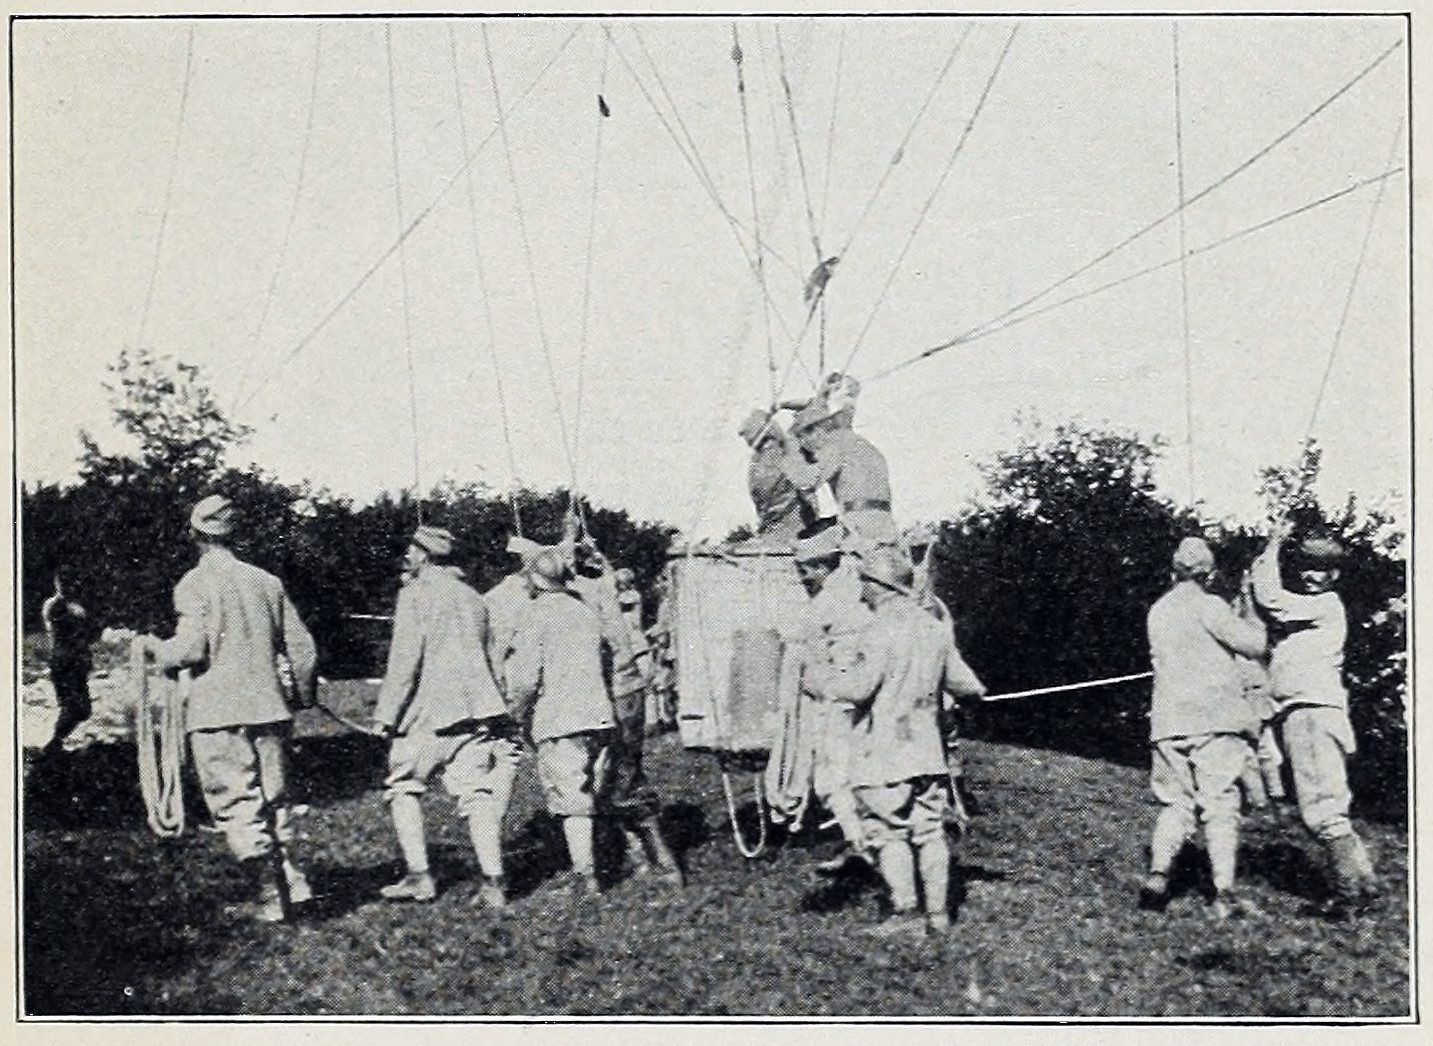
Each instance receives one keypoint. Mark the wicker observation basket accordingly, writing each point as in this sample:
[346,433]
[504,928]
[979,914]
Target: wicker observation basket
[738,609]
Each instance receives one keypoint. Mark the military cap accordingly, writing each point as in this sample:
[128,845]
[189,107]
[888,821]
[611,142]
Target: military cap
[436,541]
[1193,554]
[1319,552]
[821,545]
[213,516]
[549,570]
[887,566]
[757,427]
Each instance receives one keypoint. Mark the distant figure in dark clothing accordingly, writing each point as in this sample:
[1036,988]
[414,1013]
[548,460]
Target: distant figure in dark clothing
[70,631]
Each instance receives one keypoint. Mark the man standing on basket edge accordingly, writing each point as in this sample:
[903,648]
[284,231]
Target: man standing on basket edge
[440,705]
[234,622]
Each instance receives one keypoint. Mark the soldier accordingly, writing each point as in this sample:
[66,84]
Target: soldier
[70,630]
[629,797]
[1306,679]
[556,690]
[782,511]
[440,707]
[919,542]
[507,602]
[836,615]
[830,452]
[1199,724]
[234,622]
[896,687]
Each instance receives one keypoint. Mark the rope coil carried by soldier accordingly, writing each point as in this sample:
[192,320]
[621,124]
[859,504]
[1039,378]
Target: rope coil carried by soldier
[160,750]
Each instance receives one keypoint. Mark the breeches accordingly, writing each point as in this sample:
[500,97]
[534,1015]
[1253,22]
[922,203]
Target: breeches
[243,771]
[1200,775]
[1317,743]
[910,811]
[477,772]
[573,772]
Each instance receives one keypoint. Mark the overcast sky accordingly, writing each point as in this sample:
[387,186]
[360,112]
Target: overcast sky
[254,229]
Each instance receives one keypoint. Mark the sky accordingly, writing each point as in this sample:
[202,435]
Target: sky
[576,296]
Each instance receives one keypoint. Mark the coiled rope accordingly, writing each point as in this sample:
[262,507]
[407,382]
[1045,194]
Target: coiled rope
[161,752]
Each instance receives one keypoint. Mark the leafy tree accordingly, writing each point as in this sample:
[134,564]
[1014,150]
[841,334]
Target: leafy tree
[170,414]
[1050,580]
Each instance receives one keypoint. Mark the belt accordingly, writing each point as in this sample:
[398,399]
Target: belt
[872,504]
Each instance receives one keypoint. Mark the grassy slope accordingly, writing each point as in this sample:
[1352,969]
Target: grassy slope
[118,922]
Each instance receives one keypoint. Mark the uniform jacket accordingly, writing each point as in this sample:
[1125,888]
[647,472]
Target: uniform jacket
[906,659]
[853,466]
[1306,662]
[832,625]
[507,602]
[1193,639]
[600,593]
[555,670]
[234,621]
[438,673]
[782,511]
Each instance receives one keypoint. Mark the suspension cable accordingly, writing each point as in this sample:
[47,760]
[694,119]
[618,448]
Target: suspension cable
[1184,266]
[899,154]
[805,192]
[527,254]
[930,200]
[412,226]
[870,202]
[288,224]
[1201,194]
[760,262]
[482,284]
[403,276]
[587,274]
[975,334]
[796,142]
[1352,287]
[732,221]
[168,188]
[831,127]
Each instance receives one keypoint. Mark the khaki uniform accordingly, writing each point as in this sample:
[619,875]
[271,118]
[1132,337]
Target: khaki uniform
[507,602]
[1200,724]
[905,662]
[782,511]
[555,684]
[859,480]
[1306,682]
[234,622]
[439,696]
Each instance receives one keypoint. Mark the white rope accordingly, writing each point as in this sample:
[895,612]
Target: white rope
[1038,691]
[743,847]
[160,753]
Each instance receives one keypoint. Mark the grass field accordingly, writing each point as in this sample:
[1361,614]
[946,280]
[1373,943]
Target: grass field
[117,922]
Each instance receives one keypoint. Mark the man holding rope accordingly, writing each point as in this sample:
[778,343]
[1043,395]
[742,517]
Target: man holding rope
[1200,724]
[440,706]
[234,622]
[1306,677]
